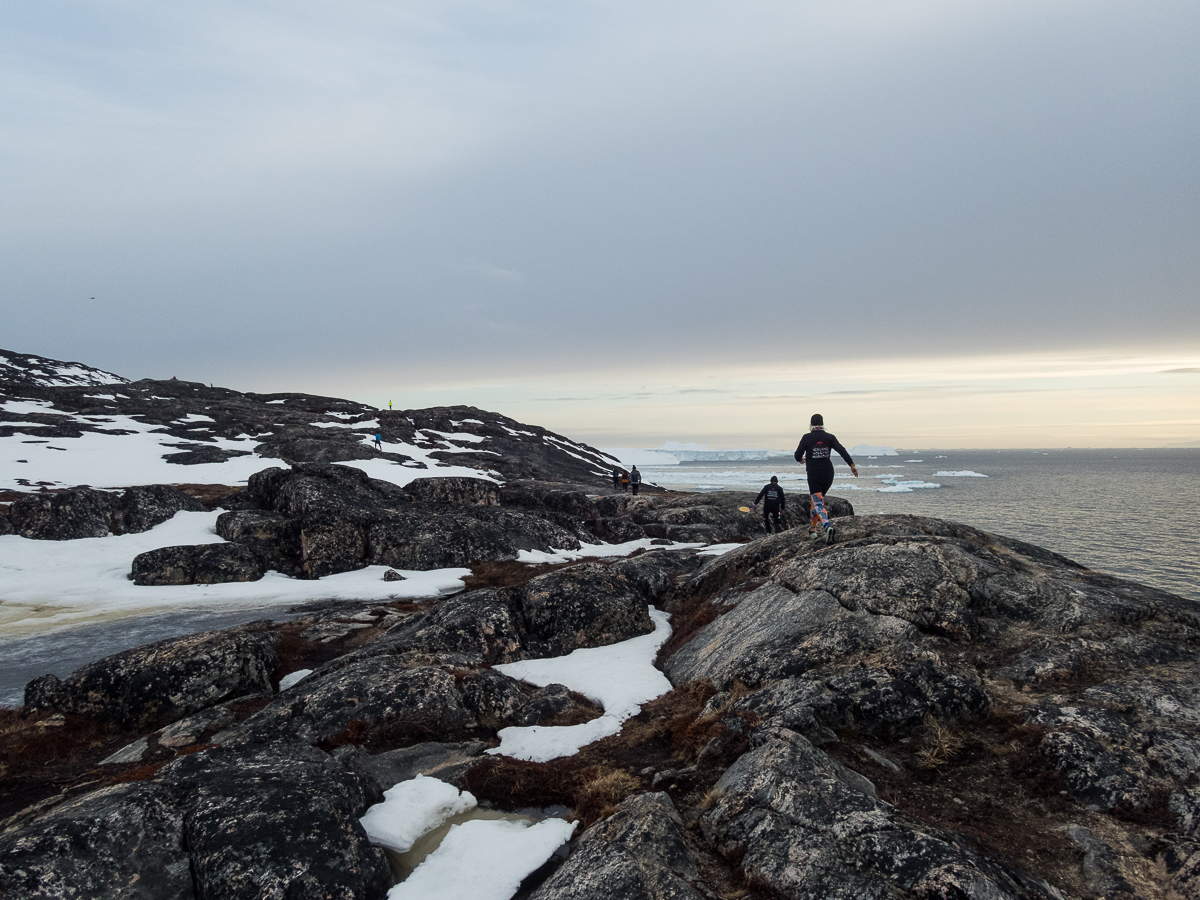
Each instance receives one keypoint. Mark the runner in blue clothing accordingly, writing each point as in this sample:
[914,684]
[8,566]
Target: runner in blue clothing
[814,451]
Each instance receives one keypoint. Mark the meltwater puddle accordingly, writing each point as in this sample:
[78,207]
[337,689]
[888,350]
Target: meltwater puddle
[443,846]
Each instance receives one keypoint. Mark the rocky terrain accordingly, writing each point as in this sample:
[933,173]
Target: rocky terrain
[919,710]
[48,405]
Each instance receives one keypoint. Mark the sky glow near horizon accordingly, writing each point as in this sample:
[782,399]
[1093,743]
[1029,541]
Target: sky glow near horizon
[943,224]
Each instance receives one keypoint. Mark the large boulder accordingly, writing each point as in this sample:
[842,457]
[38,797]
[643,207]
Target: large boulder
[585,605]
[382,692]
[143,507]
[278,821]
[317,520]
[483,626]
[161,682]
[125,841]
[808,828]
[273,537]
[637,853]
[308,488]
[434,536]
[197,564]
[64,516]
[85,512]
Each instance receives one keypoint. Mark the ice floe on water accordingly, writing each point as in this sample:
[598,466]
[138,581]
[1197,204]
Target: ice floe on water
[903,487]
[48,584]
[620,677]
[871,450]
[966,473]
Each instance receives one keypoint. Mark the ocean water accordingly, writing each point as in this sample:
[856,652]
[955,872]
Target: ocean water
[1131,513]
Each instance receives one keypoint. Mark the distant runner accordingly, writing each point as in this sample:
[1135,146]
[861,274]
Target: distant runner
[814,450]
[775,503]
[635,479]
[378,441]
[616,479]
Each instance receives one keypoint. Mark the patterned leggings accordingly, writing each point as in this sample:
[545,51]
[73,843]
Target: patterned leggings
[819,517]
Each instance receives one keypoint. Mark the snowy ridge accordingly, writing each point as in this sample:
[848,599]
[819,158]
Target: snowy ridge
[37,371]
[58,431]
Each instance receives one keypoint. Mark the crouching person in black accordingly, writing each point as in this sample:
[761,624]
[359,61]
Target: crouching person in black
[774,504]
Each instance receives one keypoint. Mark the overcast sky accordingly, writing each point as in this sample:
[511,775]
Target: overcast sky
[935,221]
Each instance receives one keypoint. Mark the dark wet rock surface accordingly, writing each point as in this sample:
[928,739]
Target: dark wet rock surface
[162,682]
[84,512]
[121,841]
[197,564]
[810,828]
[638,853]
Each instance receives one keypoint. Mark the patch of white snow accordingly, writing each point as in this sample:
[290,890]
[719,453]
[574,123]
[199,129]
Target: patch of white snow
[620,677]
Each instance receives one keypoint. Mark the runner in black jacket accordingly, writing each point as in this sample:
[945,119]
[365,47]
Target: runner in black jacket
[775,502]
[814,450]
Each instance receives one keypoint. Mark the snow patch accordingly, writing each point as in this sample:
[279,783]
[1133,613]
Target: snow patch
[293,678]
[483,860]
[620,677]
[50,584]
[413,808]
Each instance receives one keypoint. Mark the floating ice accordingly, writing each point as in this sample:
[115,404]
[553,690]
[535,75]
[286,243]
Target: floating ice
[905,487]
[965,473]
[870,450]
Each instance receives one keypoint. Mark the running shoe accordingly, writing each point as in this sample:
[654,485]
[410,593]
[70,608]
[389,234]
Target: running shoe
[829,535]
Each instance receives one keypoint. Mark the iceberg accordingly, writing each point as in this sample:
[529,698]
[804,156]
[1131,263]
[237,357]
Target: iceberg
[672,453]
[870,450]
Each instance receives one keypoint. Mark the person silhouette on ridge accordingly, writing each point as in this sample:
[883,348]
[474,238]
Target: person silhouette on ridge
[814,451]
[775,503]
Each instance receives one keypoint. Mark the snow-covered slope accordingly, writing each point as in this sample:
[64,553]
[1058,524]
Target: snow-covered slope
[17,369]
[64,425]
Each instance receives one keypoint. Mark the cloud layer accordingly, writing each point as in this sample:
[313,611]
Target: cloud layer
[473,190]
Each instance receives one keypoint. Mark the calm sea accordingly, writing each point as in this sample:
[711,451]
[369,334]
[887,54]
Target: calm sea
[1132,513]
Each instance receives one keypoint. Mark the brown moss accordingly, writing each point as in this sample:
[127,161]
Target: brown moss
[141,773]
[602,774]
[210,496]
[507,573]
[601,789]
[31,743]
[988,784]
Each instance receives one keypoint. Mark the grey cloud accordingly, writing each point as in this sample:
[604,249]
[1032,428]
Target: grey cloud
[772,180]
